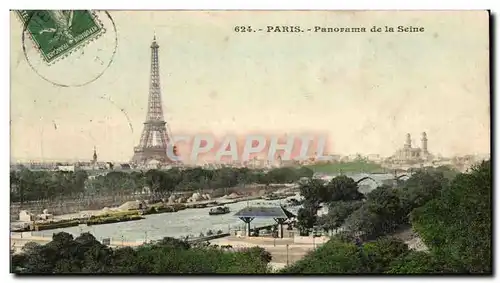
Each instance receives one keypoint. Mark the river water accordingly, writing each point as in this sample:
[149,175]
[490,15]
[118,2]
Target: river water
[188,221]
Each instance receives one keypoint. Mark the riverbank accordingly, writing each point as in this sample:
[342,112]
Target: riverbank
[113,215]
[89,221]
[187,222]
[75,207]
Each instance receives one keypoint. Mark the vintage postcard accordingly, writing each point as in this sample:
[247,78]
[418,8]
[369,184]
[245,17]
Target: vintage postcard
[336,142]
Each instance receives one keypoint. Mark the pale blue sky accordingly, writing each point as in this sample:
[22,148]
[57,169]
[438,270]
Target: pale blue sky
[366,91]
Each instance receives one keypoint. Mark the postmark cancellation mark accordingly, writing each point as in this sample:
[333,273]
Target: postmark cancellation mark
[57,33]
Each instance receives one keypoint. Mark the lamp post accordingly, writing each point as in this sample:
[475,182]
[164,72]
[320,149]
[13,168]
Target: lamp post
[287,254]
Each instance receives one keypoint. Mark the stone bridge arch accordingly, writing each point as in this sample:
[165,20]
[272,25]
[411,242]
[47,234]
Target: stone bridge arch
[364,179]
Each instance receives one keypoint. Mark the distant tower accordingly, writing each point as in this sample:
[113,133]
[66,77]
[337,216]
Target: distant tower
[280,161]
[424,142]
[408,141]
[94,157]
[155,137]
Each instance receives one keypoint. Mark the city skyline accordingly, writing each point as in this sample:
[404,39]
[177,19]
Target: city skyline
[365,91]
[415,144]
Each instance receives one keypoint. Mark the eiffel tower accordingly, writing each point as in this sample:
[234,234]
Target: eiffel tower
[156,137]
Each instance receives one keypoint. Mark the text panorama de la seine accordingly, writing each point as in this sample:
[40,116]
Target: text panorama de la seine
[324,29]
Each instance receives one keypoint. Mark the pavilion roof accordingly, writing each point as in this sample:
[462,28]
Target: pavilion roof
[265,212]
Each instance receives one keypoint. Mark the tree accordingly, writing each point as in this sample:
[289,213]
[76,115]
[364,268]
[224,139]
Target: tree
[342,188]
[382,252]
[29,185]
[173,243]
[305,172]
[17,262]
[85,254]
[365,222]
[306,218]
[379,215]
[312,190]
[457,224]
[264,255]
[334,257]
[423,186]
[415,262]
[337,214]
[385,202]
[344,256]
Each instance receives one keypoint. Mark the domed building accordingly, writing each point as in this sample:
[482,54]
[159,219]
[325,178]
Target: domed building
[409,154]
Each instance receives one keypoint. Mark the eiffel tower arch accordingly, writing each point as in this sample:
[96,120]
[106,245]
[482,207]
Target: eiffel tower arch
[156,137]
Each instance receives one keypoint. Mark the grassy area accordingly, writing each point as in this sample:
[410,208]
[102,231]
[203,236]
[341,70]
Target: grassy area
[347,167]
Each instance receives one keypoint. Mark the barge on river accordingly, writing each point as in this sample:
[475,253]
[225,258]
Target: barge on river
[219,210]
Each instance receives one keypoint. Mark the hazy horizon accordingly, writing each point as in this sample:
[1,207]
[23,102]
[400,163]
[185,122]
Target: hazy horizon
[366,91]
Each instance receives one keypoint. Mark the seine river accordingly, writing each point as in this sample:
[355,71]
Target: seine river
[188,221]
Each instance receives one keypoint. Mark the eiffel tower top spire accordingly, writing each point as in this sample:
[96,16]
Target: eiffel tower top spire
[154,44]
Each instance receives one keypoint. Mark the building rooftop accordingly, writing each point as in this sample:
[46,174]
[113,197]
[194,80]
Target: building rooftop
[265,212]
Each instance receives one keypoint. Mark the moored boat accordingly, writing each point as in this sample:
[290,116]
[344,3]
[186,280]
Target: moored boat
[273,197]
[219,210]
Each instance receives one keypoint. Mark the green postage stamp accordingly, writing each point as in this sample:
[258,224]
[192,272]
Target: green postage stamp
[57,33]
